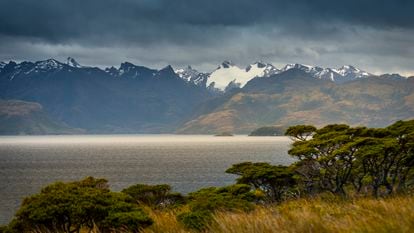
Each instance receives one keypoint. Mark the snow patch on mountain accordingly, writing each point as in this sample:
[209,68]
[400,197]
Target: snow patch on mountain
[72,62]
[192,76]
[340,75]
[49,64]
[229,74]
[126,67]
[352,71]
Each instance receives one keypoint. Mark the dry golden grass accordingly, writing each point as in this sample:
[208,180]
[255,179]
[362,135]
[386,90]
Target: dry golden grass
[360,215]
[165,221]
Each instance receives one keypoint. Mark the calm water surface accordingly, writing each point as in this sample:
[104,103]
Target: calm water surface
[186,162]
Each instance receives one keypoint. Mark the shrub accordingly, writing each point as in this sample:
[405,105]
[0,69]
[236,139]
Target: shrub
[197,220]
[273,181]
[154,195]
[233,197]
[70,207]
[205,202]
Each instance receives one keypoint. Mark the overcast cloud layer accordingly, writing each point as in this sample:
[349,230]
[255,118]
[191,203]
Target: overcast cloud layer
[375,35]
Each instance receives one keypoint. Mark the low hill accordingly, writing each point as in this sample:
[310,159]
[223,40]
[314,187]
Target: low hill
[268,131]
[28,118]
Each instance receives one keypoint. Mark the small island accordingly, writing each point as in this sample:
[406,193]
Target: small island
[268,131]
[224,134]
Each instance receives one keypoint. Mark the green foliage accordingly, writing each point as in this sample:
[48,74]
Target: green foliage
[300,132]
[197,220]
[205,201]
[127,221]
[274,181]
[224,134]
[69,207]
[4,229]
[233,197]
[268,131]
[154,195]
[338,156]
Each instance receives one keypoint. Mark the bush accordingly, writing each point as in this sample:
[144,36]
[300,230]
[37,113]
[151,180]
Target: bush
[3,229]
[133,221]
[197,220]
[154,195]
[70,207]
[233,197]
[206,201]
[272,181]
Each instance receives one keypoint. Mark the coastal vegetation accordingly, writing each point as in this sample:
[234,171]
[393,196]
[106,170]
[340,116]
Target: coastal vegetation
[224,134]
[345,179]
[268,131]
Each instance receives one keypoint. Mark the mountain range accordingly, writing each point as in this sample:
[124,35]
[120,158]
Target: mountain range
[136,99]
[228,75]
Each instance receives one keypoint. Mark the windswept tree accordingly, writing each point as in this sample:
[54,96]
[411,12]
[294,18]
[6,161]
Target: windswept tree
[386,157]
[326,161]
[300,132]
[273,181]
[378,156]
[403,132]
[338,156]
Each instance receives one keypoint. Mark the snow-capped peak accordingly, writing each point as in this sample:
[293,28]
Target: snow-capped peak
[72,62]
[257,64]
[187,73]
[226,65]
[125,67]
[350,70]
[192,76]
[48,64]
[340,75]
[262,69]
[303,67]
[228,73]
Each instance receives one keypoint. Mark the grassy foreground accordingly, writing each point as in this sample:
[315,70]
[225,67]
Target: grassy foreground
[393,214]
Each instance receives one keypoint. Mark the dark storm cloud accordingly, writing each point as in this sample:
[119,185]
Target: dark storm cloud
[146,20]
[204,32]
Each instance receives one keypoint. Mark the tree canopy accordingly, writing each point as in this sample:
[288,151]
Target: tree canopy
[337,156]
[273,181]
[70,207]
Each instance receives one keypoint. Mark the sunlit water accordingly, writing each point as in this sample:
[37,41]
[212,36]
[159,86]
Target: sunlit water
[186,162]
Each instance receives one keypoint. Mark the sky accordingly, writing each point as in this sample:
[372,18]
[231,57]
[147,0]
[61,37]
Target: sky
[374,35]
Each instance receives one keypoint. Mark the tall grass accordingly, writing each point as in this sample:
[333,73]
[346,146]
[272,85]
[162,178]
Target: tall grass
[395,214]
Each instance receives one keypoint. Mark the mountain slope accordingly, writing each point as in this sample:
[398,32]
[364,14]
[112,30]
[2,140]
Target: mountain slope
[193,76]
[228,74]
[137,99]
[294,97]
[19,117]
[130,99]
